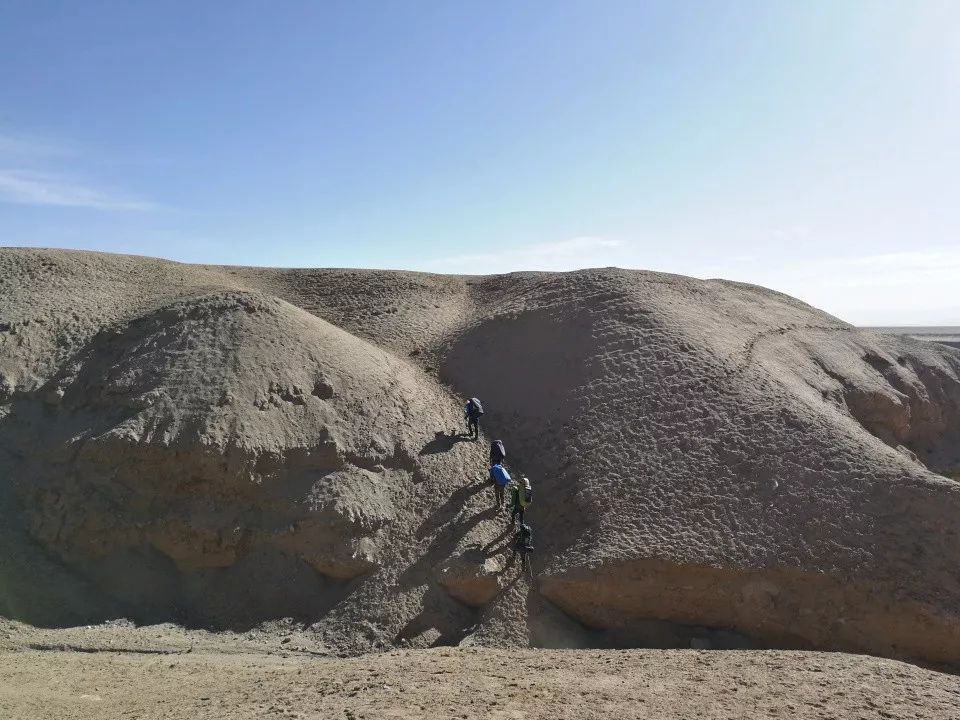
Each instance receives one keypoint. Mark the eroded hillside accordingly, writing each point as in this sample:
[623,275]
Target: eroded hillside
[713,462]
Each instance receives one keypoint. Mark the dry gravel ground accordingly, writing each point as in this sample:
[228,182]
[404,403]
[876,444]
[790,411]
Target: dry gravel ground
[116,670]
[471,683]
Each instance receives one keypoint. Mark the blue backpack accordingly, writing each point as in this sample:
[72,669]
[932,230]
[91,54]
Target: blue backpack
[499,475]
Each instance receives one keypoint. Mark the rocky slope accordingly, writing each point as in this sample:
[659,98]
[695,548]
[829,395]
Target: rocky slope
[714,463]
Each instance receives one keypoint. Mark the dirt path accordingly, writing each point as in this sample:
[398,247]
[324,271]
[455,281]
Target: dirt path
[469,683]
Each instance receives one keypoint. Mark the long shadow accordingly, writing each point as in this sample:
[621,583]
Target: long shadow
[457,620]
[451,524]
[450,509]
[442,621]
[494,546]
[443,442]
[443,545]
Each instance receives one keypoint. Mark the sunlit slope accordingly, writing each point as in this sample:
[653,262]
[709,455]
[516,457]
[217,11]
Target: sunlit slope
[249,443]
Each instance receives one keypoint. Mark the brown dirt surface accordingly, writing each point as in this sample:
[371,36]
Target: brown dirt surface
[715,465]
[165,673]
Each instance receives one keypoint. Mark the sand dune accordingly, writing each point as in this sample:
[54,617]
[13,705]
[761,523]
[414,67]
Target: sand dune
[714,463]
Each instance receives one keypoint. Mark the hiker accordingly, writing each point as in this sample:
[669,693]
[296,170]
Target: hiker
[523,543]
[471,413]
[521,495]
[497,452]
[499,477]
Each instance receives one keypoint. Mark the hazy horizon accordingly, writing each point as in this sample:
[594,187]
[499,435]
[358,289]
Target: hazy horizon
[810,148]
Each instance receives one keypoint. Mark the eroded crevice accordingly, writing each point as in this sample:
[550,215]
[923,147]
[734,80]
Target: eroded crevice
[913,409]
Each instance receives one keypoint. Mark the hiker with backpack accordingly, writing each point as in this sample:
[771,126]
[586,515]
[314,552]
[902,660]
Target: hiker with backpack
[521,495]
[471,413]
[497,452]
[499,477]
[523,545]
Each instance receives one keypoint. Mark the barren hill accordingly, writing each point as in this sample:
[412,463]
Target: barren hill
[713,463]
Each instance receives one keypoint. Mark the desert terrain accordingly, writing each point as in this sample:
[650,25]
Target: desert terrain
[949,335]
[116,671]
[269,468]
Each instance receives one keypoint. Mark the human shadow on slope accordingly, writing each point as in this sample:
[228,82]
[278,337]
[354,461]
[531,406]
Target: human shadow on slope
[442,621]
[446,541]
[450,523]
[443,442]
[452,507]
[499,543]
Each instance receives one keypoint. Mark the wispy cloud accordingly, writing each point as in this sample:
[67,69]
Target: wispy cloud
[28,179]
[25,187]
[570,254]
[29,146]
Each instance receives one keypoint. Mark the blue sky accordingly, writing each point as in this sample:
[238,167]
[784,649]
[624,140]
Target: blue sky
[809,146]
